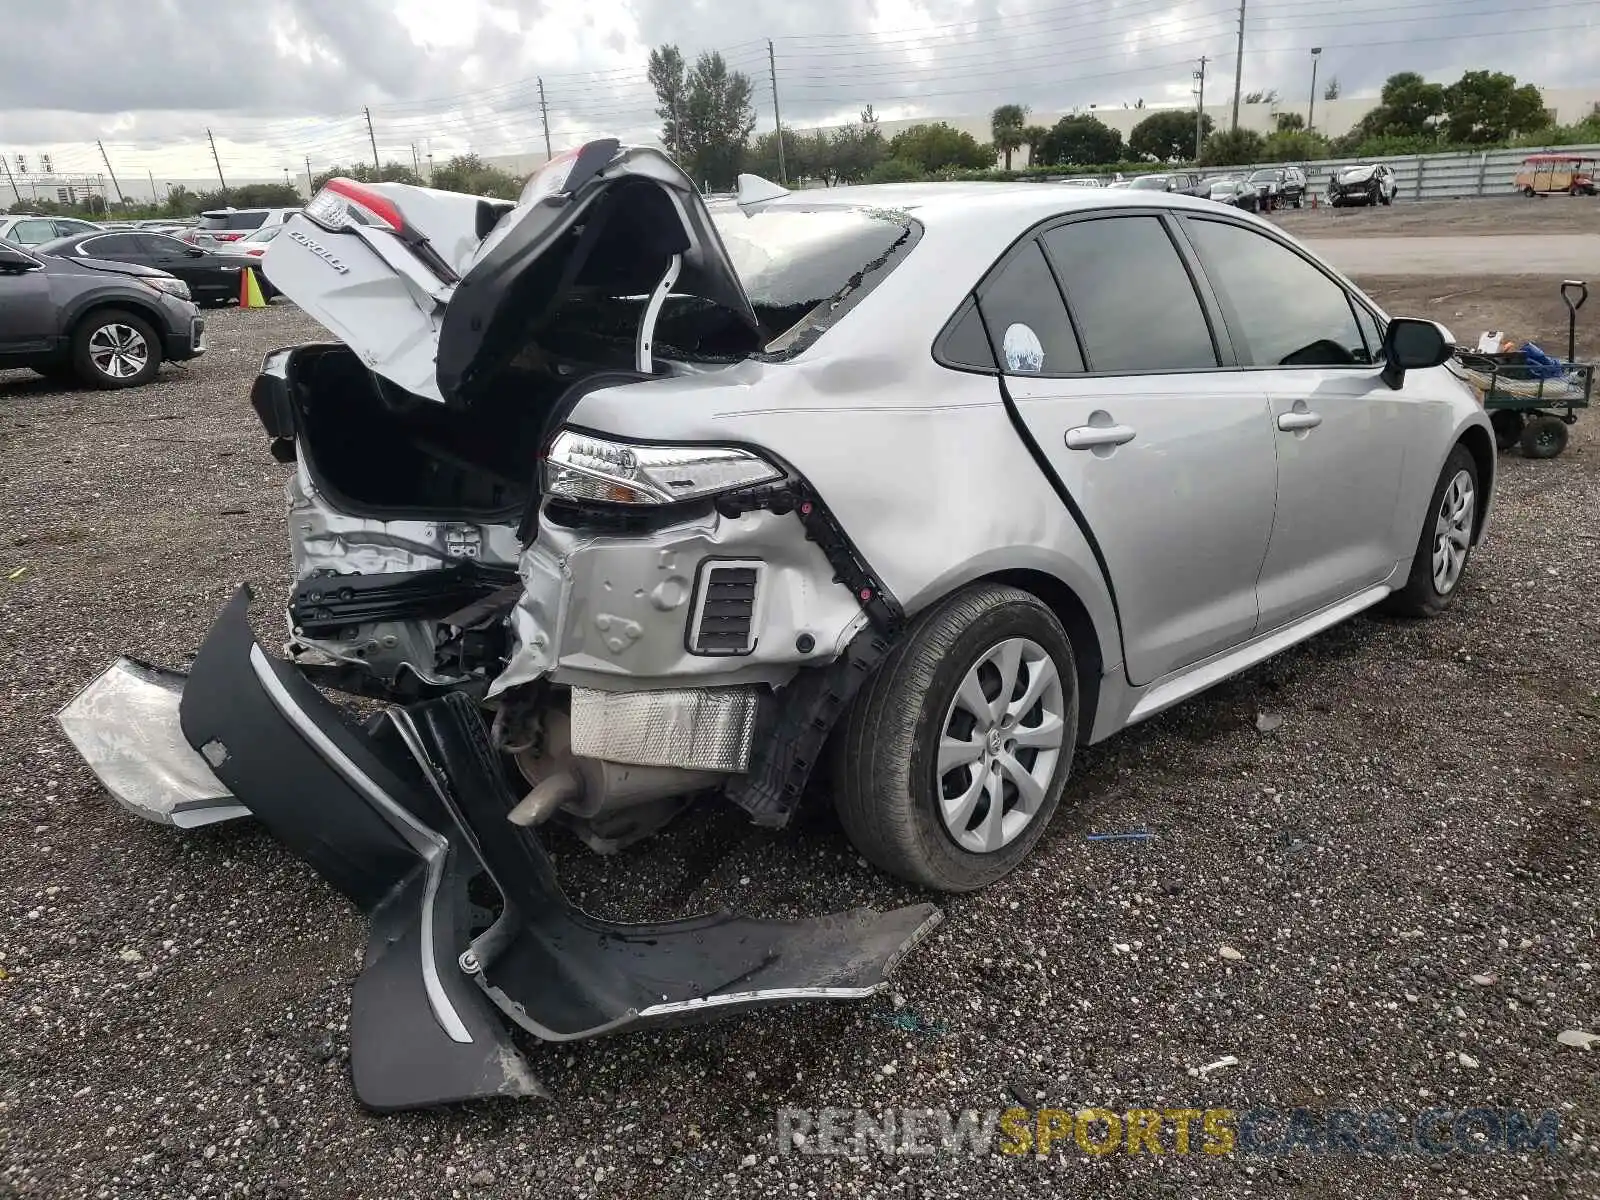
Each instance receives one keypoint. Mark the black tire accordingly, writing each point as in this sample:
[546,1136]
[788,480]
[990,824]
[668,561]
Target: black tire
[1375,197]
[1421,596]
[86,346]
[1388,199]
[1528,192]
[888,792]
[1544,437]
[1508,425]
[1299,200]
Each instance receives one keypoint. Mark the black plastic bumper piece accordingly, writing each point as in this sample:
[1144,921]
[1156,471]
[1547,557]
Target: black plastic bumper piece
[403,814]
[420,1033]
[562,974]
[329,603]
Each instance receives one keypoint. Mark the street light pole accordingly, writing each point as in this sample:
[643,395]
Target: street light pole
[1311,109]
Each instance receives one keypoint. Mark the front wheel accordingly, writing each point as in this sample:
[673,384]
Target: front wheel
[952,759]
[115,349]
[1445,543]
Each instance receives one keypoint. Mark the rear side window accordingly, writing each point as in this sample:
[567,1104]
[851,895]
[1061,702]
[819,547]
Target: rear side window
[1134,302]
[967,345]
[33,233]
[1027,319]
[112,245]
[1288,312]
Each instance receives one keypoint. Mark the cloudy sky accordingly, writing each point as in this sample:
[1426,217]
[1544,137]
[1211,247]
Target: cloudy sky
[280,81]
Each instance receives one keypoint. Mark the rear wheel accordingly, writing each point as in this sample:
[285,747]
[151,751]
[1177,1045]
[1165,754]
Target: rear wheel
[115,349]
[1445,543]
[1544,437]
[1528,192]
[953,758]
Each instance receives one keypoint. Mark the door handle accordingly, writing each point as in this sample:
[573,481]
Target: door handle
[1087,437]
[1291,421]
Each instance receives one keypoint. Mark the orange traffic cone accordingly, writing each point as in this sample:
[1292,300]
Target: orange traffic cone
[249,290]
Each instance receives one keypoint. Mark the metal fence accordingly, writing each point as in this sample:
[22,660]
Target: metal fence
[1439,176]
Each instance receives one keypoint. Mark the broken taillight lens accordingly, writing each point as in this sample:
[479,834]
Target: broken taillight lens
[344,202]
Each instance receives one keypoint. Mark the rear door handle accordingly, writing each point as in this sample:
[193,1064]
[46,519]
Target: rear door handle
[1290,421]
[1087,437]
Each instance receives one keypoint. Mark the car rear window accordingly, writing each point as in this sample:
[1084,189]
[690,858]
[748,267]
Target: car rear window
[244,219]
[802,268]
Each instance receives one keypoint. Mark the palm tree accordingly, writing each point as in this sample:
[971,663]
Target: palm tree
[1033,137]
[1006,124]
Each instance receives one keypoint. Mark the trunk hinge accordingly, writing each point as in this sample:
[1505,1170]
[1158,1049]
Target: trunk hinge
[644,354]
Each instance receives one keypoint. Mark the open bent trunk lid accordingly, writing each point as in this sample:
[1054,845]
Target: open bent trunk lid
[436,291]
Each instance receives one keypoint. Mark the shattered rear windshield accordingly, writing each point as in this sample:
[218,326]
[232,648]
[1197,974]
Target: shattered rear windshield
[803,268]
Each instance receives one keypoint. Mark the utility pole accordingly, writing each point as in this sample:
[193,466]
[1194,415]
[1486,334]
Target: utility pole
[1200,110]
[309,186]
[1311,108]
[1238,68]
[106,158]
[154,198]
[777,121]
[376,165]
[415,165]
[544,116]
[11,179]
[216,158]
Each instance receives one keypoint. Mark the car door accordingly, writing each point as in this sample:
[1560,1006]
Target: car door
[1166,455]
[208,278]
[27,311]
[1341,432]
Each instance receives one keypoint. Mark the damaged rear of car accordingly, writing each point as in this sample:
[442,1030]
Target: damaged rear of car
[602,620]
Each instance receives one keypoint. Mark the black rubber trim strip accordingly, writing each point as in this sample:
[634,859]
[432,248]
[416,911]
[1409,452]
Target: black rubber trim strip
[1043,463]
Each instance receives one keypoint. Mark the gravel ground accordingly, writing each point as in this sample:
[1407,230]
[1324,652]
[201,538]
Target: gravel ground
[175,1004]
[1447,218]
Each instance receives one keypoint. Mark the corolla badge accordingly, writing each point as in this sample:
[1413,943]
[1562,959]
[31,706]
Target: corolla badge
[1024,351]
[319,250]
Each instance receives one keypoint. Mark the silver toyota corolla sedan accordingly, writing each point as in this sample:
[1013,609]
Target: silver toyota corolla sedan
[618,501]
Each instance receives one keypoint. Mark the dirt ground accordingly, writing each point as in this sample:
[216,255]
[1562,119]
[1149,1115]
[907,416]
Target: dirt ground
[1523,307]
[1447,218]
[1408,867]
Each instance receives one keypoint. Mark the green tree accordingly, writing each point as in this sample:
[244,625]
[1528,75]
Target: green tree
[1033,137]
[1331,91]
[762,157]
[1488,106]
[858,148]
[1231,148]
[707,114]
[896,170]
[1007,125]
[1293,145]
[1289,122]
[1270,96]
[1408,107]
[469,173]
[1167,135]
[1081,141]
[391,172]
[937,146]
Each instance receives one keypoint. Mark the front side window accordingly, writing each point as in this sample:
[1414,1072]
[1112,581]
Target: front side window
[1134,303]
[1286,310]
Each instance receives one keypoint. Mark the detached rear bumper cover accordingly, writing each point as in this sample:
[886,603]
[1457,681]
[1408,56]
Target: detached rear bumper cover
[400,816]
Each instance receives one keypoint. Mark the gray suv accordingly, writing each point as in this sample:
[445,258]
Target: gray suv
[106,324]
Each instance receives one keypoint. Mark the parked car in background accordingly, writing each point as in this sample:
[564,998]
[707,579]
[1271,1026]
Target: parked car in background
[212,273]
[1278,187]
[1182,183]
[109,325]
[1363,183]
[1231,190]
[1547,173]
[1081,181]
[33,229]
[232,224]
[255,243]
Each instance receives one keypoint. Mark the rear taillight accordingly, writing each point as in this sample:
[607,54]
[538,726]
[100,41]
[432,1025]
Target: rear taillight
[344,202]
[226,237]
[256,251]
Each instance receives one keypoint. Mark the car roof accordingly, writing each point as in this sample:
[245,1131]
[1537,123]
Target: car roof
[954,203]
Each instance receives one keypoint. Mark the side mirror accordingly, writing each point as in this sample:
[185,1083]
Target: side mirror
[1412,344]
